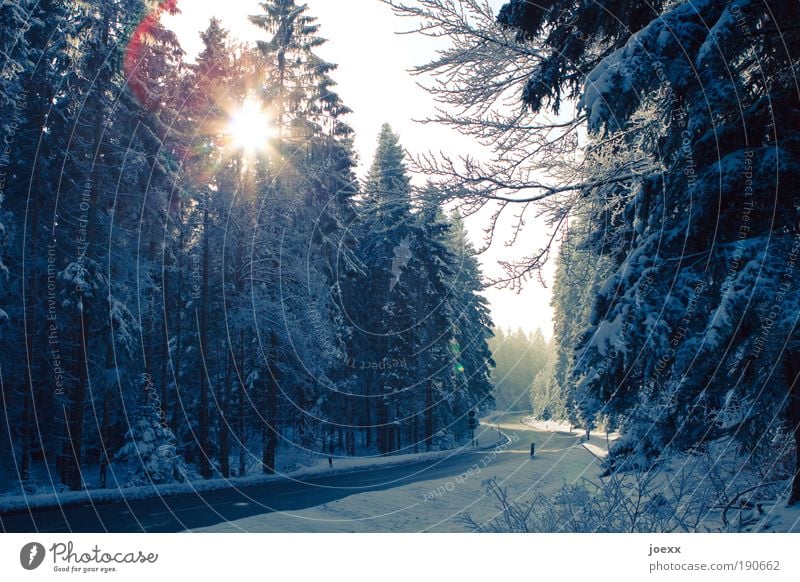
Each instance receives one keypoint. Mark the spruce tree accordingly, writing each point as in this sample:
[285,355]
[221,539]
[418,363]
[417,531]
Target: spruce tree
[684,336]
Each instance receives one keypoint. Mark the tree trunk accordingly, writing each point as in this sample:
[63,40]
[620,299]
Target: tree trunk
[793,380]
[349,433]
[26,433]
[415,433]
[34,334]
[84,320]
[104,444]
[177,363]
[76,412]
[428,415]
[270,434]
[242,425]
[381,428]
[368,416]
[164,373]
[205,464]
[224,443]
[150,351]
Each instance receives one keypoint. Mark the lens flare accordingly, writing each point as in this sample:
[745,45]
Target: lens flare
[455,351]
[138,47]
[250,127]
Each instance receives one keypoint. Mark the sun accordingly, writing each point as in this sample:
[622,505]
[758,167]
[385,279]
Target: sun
[250,127]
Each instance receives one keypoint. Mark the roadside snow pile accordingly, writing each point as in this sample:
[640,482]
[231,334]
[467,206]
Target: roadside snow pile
[560,426]
[598,452]
[547,425]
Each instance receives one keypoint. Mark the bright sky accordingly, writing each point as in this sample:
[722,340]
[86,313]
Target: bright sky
[373,80]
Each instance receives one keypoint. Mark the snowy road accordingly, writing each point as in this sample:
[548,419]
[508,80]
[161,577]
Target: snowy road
[425,496]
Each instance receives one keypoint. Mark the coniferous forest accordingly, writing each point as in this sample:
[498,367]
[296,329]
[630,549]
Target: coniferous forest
[175,302]
[196,283]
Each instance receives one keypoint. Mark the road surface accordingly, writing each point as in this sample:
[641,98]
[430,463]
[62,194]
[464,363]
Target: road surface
[423,488]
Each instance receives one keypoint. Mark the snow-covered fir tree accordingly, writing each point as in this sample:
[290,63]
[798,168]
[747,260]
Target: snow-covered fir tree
[695,317]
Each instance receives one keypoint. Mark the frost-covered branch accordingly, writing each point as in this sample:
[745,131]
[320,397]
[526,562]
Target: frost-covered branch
[531,158]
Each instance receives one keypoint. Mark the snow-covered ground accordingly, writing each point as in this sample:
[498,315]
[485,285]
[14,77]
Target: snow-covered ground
[439,504]
[778,518]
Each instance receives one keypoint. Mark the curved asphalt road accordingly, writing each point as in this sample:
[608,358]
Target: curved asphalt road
[197,510]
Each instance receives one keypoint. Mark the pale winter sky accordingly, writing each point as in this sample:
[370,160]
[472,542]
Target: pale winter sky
[374,81]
